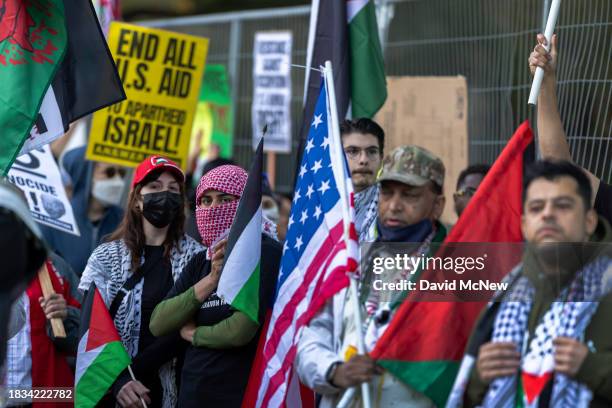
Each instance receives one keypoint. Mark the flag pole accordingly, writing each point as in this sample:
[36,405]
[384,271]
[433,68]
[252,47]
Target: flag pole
[314,18]
[338,164]
[548,33]
[144,404]
[57,324]
[270,163]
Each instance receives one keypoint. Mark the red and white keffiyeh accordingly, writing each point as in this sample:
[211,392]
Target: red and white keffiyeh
[213,222]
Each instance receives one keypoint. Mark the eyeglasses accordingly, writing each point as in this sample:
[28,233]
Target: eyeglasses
[353,152]
[467,192]
[110,172]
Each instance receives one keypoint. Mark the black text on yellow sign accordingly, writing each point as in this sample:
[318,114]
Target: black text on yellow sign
[161,72]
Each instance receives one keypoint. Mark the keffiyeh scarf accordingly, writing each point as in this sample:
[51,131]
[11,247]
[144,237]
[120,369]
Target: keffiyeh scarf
[366,209]
[214,222]
[568,316]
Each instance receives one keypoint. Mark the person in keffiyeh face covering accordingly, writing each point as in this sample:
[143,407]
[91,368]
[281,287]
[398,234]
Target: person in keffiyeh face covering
[223,341]
[217,198]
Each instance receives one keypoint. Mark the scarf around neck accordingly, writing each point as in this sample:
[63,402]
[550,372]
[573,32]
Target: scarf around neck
[568,315]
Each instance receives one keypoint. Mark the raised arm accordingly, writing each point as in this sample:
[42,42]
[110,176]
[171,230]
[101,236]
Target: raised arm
[552,140]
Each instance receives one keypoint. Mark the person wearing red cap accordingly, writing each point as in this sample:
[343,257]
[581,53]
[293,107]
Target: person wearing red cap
[135,271]
[223,341]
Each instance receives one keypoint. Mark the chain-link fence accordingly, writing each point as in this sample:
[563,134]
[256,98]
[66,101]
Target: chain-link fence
[486,41]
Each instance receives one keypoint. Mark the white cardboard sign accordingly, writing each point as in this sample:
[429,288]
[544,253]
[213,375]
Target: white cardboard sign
[38,176]
[272,90]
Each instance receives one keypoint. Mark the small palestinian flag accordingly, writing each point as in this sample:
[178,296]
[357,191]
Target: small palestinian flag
[55,68]
[239,282]
[346,33]
[101,356]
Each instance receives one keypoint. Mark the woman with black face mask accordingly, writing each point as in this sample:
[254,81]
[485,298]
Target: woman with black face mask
[135,270]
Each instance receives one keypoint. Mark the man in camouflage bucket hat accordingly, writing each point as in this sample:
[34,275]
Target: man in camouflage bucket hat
[411,184]
[410,203]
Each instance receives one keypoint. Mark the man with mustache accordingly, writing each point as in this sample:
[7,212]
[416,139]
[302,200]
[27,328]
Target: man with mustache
[363,141]
[546,341]
[410,203]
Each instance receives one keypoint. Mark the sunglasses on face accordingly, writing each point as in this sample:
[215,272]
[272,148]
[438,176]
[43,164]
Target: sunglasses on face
[110,172]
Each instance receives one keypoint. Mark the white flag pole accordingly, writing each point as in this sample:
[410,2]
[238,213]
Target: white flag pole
[548,33]
[337,164]
[144,404]
[314,17]
[347,398]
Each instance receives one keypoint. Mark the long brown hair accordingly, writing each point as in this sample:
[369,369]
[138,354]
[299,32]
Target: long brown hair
[131,231]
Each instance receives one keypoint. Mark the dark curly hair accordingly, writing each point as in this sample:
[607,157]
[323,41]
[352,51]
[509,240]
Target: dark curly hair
[364,126]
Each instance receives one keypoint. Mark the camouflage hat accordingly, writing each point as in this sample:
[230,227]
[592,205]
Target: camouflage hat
[412,165]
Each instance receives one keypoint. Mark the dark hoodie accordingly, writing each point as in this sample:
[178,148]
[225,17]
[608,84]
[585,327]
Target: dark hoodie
[76,250]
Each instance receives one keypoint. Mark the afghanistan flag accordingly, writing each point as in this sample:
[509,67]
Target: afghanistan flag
[55,67]
[239,282]
[101,356]
[346,33]
[425,341]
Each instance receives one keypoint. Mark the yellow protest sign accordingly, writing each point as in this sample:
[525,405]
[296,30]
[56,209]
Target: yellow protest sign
[161,73]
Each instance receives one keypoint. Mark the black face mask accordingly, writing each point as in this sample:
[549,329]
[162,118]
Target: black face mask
[160,209]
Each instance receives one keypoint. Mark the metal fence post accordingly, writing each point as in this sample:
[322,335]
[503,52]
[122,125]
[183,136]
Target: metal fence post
[384,14]
[232,65]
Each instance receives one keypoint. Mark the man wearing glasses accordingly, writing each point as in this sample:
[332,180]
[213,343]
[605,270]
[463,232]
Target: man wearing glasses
[363,141]
[467,183]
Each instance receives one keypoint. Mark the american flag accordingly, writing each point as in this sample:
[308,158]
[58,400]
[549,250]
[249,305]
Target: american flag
[315,258]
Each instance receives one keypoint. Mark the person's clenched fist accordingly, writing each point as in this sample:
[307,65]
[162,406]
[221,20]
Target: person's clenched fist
[54,306]
[569,355]
[497,360]
[541,58]
[357,370]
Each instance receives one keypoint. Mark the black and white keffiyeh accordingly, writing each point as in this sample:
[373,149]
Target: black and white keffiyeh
[366,210]
[568,316]
[109,266]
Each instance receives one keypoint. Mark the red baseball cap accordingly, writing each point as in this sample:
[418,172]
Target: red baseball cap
[153,163]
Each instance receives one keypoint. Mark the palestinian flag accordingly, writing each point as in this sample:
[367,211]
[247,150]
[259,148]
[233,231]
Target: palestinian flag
[239,282]
[415,349]
[368,82]
[346,33]
[53,58]
[101,356]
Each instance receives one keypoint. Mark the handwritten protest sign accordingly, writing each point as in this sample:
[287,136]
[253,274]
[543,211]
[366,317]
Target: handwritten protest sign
[272,90]
[38,176]
[161,72]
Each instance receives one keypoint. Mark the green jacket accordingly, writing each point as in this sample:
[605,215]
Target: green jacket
[596,370]
[172,314]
